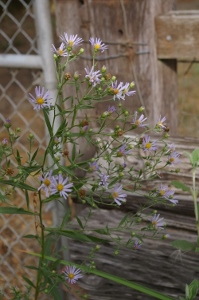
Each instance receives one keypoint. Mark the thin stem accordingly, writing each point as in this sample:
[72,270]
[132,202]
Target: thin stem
[194,195]
[39,274]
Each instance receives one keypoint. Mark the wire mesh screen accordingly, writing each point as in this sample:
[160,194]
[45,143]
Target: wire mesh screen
[18,36]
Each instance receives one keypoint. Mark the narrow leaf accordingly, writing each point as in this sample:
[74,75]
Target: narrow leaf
[180,185]
[20,185]
[183,245]
[28,281]
[15,210]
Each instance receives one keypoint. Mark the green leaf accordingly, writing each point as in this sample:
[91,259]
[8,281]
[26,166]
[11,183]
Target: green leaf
[180,185]
[74,152]
[195,156]
[18,184]
[80,222]
[193,288]
[183,245]
[48,122]
[76,235]
[28,281]
[34,155]
[113,278]
[123,220]
[18,158]
[15,210]
[27,200]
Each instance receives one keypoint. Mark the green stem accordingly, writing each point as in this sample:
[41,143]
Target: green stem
[194,195]
[39,274]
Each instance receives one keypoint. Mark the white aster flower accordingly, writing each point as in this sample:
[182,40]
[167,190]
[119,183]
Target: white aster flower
[98,45]
[72,274]
[42,99]
[93,76]
[61,51]
[117,90]
[59,185]
[118,195]
[72,40]
[46,180]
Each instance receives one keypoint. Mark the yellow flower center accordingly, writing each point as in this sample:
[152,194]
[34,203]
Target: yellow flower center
[171,159]
[60,51]
[97,46]
[70,43]
[119,154]
[137,122]
[160,124]
[115,194]
[148,145]
[154,223]
[46,182]
[60,187]
[71,275]
[115,91]
[40,100]
[162,192]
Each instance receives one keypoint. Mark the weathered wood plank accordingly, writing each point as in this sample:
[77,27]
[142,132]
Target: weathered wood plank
[156,81]
[156,264]
[178,35]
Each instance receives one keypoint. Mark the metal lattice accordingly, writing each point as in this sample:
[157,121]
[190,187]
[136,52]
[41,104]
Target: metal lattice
[18,36]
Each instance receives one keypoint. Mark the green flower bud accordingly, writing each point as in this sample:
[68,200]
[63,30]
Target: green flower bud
[31,136]
[113,78]
[132,233]
[103,70]
[132,84]
[97,247]
[76,75]
[141,109]
[81,50]
[116,252]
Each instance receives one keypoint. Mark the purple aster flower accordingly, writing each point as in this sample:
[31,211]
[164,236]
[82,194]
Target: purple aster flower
[139,122]
[72,274]
[93,76]
[173,158]
[137,245]
[118,194]
[111,109]
[98,45]
[157,222]
[4,142]
[59,185]
[117,90]
[61,51]
[148,145]
[122,151]
[161,122]
[126,90]
[46,182]
[7,123]
[93,166]
[41,100]
[103,180]
[171,147]
[72,40]
[167,193]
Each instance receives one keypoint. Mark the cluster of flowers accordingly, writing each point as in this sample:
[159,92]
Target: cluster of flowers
[55,185]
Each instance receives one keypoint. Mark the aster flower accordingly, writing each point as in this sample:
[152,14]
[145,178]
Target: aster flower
[46,180]
[147,144]
[98,45]
[59,185]
[126,90]
[173,158]
[117,90]
[93,166]
[72,40]
[61,51]
[167,193]
[118,194]
[161,122]
[157,222]
[139,122]
[103,180]
[72,274]
[7,123]
[4,142]
[111,109]
[122,151]
[137,245]
[42,99]
[171,147]
[93,76]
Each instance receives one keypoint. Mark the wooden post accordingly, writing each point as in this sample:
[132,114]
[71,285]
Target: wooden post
[127,22]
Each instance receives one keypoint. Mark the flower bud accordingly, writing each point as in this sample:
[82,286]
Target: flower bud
[31,136]
[103,69]
[81,50]
[113,78]
[76,75]
[141,109]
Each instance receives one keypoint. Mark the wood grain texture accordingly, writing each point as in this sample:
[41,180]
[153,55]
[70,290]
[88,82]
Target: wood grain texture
[178,35]
[156,264]
[156,79]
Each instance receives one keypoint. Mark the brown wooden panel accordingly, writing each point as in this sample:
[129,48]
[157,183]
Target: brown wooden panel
[178,35]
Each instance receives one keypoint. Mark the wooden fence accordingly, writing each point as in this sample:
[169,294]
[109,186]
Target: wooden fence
[141,33]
